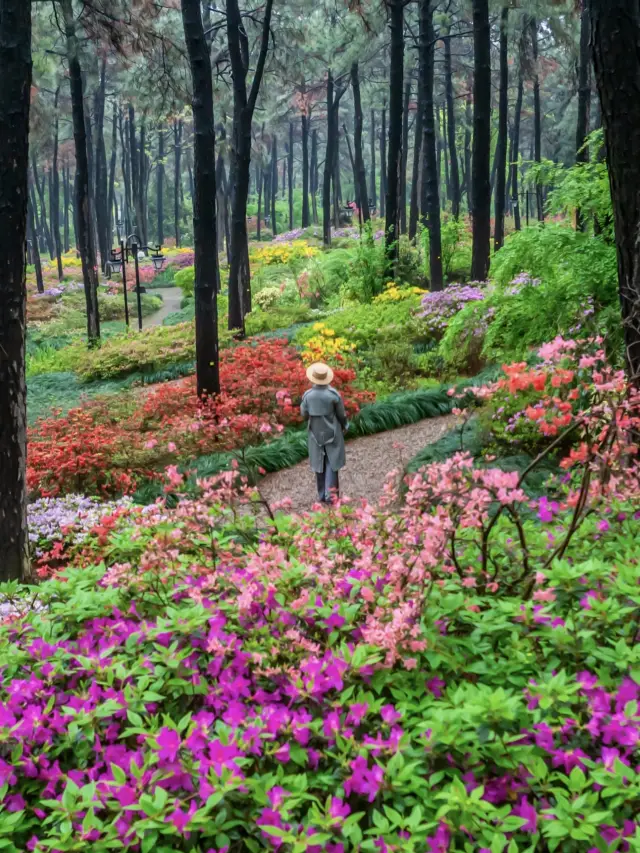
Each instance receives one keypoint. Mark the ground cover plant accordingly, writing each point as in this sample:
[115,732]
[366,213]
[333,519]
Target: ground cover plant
[458,672]
[107,445]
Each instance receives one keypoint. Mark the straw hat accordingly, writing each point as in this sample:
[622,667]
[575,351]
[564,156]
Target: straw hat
[320,374]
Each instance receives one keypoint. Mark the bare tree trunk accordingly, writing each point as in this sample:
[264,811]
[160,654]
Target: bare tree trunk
[204,203]
[360,174]
[101,177]
[55,190]
[66,194]
[516,147]
[414,202]
[314,176]
[481,180]
[112,217]
[374,189]
[84,232]
[383,162]
[15,61]
[430,202]
[39,185]
[290,175]
[615,36]
[584,98]
[160,186]
[274,184]
[405,156]
[35,249]
[306,214]
[451,130]
[537,115]
[177,154]
[501,148]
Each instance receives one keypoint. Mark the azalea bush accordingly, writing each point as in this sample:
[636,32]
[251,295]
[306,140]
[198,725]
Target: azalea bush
[109,444]
[460,673]
[281,253]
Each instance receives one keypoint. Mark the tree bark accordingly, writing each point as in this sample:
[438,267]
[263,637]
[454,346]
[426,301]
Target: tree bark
[101,177]
[290,175]
[394,167]
[501,147]
[430,202]
[315,176]
[405,156]
[467,153]
[306,214]
[136,188]
[35,248]
[144,180]
[374,188]
[537,115]
[160,186]
[123,128]
[39,185]
[615,36]
[204,203]
[112,206]
[414,201]
[383,162]
[177,183]
[480,180]
[516,148]
[360,174]
[584,98]
[454,171]
[15,61]
[66,194]
[84,233]
[442,127]
[274,184]
[55,190]
[334,95]
[243,109]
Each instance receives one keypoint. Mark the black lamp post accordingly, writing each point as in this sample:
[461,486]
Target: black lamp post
[158,259]
[118,263]
[134,241]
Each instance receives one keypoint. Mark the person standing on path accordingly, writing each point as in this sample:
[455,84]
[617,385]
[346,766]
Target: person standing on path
[323,407]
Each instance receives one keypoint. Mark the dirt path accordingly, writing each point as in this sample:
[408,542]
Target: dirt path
[369,461]
[171,299]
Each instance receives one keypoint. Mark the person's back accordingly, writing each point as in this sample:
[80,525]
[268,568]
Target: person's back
[322,406]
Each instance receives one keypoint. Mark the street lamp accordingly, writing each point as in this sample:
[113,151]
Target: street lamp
[134,241]
[158,259]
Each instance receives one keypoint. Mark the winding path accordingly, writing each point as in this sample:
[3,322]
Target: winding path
[171,299]
[369,461]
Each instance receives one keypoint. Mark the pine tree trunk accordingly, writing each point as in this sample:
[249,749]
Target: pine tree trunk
[123,128]
[66,180]
[112,206]
[55,191]
[306,215]
[39,185]
[328,166]
[394,167]
[360,173]
[430,202]
[615,35]
[134,154]
[315,176]
[537,115]
[405,156]
[414,202]
[274,184]
[177,182]
[35,249]
[160,187]
[144,181]
[84,233]
[480,179]
[584,98]
[101,177]
[290,175]
[373,183]
[445,156]
[15,61]
[337,189]
[515,154]
[454,171]
[501,147]
[204,203]
[259,179]
[383,162]
[468,119]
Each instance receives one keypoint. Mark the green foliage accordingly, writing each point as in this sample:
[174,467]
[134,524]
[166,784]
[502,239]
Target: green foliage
[570,279]
[266,298]
[185,279]
[367,271]
[456,248]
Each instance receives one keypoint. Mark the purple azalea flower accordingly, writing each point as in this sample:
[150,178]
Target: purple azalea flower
[169,743]
[525,810]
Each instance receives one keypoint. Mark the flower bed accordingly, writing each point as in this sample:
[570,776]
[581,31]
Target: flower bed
[438,677]
[107,446]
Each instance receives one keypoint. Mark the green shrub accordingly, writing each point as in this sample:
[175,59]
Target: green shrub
[185,279]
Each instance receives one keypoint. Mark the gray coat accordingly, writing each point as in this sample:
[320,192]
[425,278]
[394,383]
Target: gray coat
[322,406]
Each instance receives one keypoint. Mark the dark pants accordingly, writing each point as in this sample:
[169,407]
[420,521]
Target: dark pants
[328,483]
